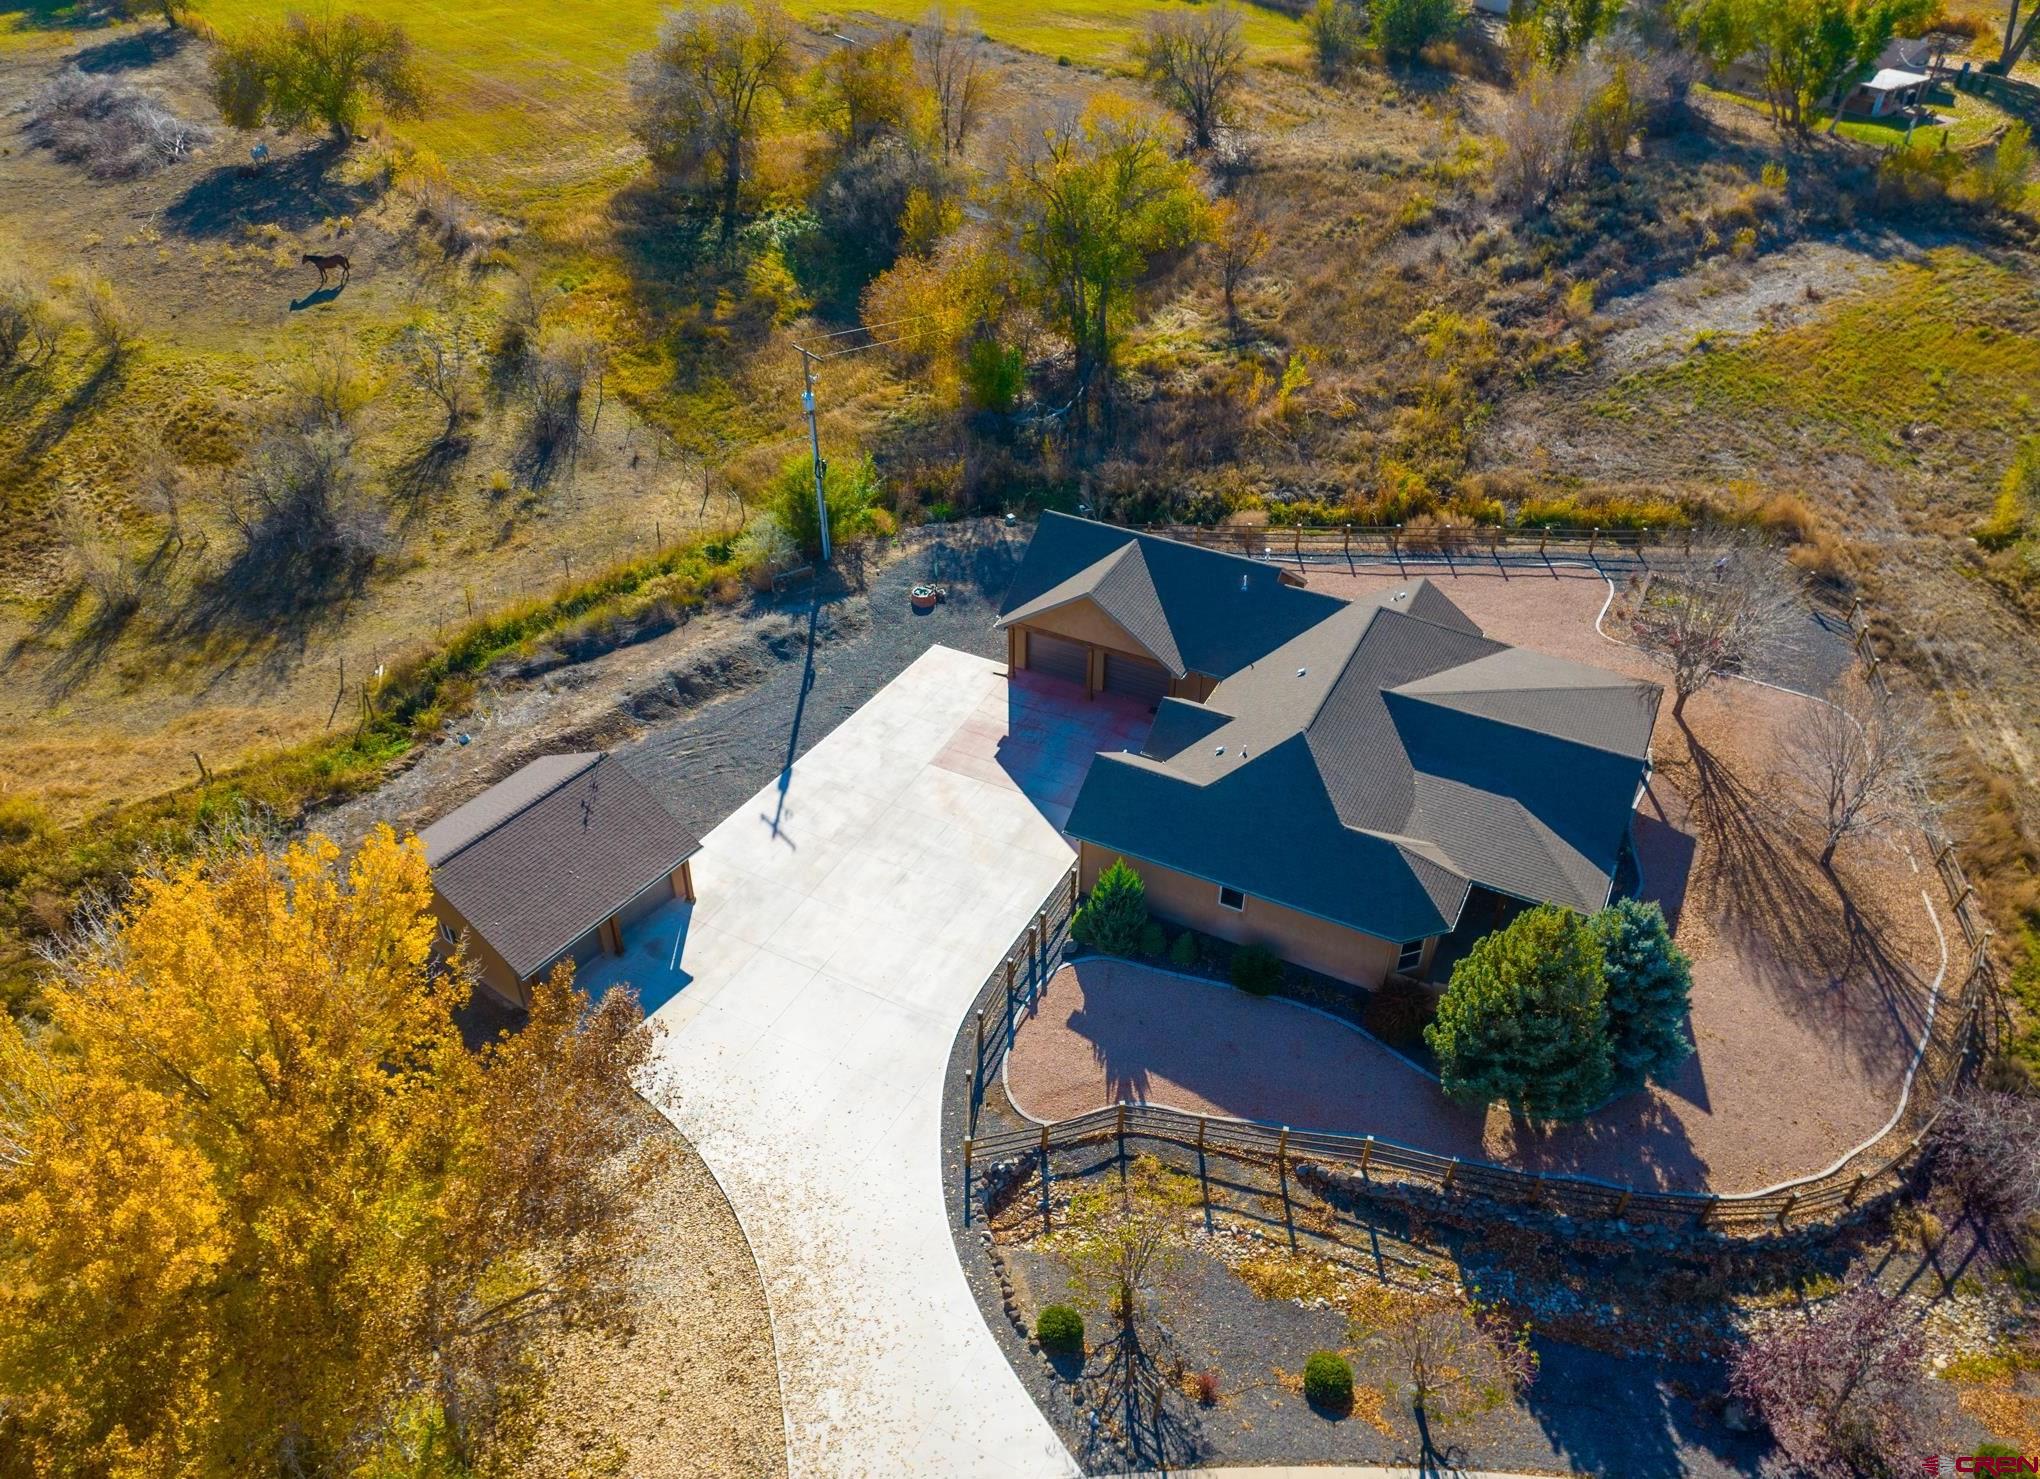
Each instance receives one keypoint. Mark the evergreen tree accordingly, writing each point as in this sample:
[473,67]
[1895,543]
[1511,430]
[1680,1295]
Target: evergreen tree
[1650,987]
[1524,1021]
[1113,917]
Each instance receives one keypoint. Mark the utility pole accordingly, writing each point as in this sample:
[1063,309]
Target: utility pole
[898,331]
[807,401]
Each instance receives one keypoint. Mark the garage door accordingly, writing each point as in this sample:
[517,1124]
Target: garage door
[1136,678]
[1058,656]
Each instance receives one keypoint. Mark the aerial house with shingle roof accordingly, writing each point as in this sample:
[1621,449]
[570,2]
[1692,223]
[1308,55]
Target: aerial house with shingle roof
[1345,782]
[556,862]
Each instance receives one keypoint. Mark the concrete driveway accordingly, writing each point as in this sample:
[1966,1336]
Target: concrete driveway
[847,915]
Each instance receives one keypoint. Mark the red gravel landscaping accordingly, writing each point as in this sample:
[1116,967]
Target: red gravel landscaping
[1809,992]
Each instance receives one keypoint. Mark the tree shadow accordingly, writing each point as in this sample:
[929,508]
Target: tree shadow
[1822,945]
[1142,1424]
[1611,1414]
[416,480]
[292,193]
[59,421]
[112,615]
[260,610]
[135,50]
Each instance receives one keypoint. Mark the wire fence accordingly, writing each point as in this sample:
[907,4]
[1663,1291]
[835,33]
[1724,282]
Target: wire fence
[1946,1060]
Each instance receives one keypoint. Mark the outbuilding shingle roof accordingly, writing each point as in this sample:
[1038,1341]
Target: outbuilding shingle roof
[545,855]
[1374,766]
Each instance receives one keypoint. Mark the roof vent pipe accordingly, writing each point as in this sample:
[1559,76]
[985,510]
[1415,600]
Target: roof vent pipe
[1243,580]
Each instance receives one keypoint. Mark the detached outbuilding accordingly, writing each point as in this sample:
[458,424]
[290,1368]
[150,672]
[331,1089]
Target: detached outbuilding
[1891,91]
[556,862]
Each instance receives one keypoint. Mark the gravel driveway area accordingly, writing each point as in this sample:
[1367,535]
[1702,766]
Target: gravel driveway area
[660,1400]
[1810,992]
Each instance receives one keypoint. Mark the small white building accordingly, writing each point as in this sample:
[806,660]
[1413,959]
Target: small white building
[1892,90]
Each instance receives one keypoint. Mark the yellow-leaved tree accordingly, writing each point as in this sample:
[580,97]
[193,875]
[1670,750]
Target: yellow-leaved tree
[263,1211]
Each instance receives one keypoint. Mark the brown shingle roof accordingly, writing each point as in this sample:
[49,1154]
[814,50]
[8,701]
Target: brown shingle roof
[542,857]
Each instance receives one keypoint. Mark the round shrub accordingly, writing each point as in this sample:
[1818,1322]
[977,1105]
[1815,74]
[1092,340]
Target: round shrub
[1328,1381]
[1154,940]
[1256,970]
[1060,1328]
[1183,954]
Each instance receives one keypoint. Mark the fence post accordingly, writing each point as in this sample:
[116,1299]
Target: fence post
[1494,539]
[981,1037]
[1450,1172]
[1366,1154]
[1643,545]
[1622,1204]
[1041,927]
[1542,535]
[1299,543]
[1785,1211]
[1346,541]
[1122,1129]
[1045,1198]
[1855,1188]
[1593,539]
[1200,1134]
[1282,1153]
[1009,985]
[966,1166]
[1395,541]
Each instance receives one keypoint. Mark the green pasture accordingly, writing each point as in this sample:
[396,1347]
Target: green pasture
[1952,342]
[528,98]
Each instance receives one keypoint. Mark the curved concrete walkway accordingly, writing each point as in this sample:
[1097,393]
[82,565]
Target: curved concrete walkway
[847,915]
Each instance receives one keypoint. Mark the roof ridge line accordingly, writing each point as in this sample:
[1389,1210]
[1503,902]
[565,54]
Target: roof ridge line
[1558,739]
[596,758]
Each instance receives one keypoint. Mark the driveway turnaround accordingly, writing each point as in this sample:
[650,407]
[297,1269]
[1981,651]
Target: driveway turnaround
[846,916]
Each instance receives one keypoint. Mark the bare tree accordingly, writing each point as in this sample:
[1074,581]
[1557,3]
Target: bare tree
[1122,1240]
[106,317]
[1840,1391]
[1337,28]
[28,325]
[1452,1357]
[703,91]
[1987,1145]
[956,72]
[1239,240]
[1856,757]
[1719,618]
[441,364]
[1193,62]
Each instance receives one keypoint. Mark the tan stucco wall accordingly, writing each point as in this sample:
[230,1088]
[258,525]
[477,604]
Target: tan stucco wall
[495,970]
[1304,939]
[1084,622]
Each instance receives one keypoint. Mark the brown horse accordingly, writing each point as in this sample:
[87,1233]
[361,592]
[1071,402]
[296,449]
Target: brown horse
[334,263]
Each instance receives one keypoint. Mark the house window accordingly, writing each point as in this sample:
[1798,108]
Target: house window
[1411,957]
[446,934]
[1231,898]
